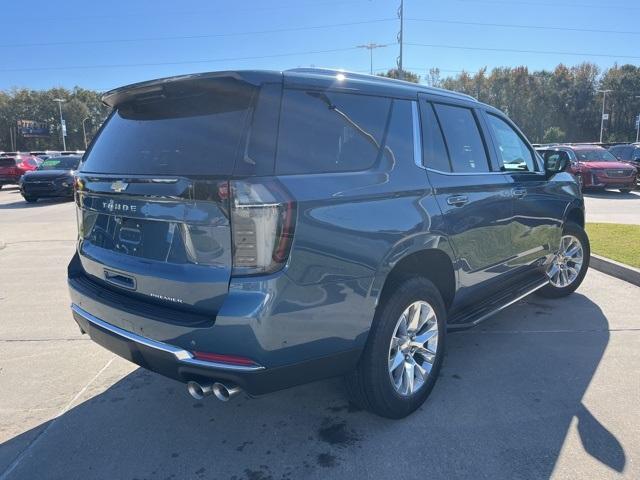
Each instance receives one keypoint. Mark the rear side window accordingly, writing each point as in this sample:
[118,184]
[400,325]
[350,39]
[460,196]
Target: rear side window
[195,130]
[463,140]
[324,131]
[434,151]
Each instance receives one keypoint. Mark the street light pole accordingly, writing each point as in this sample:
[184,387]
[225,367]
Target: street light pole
[638,125]
[371,47]
[64,142]
[84,132]
[604,99]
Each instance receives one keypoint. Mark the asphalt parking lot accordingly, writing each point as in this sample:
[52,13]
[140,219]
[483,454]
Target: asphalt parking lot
[612,206]
[546,389]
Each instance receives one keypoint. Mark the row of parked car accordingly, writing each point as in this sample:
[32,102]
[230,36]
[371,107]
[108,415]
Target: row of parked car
[40,174]
[596,167]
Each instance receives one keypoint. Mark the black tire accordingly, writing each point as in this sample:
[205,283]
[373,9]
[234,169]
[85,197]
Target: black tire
[370,385]
[550,290]
[31,199]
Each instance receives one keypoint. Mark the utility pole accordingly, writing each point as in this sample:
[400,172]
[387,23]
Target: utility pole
[638,125]
[400,40]
[604,99]
[84,132]
[62,125]
[371,47]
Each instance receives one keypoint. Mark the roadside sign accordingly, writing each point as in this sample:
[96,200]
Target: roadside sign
[638,121]
[64,128]
[605,116]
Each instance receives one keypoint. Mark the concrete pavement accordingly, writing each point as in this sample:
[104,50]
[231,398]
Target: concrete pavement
[546,389]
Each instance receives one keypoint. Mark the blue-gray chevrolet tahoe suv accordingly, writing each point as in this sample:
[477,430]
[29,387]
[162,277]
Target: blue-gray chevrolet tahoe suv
[255,230]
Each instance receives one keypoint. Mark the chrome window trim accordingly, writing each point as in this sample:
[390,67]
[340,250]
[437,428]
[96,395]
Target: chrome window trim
[417,135]
[441,172]
[182,356]
[505,172]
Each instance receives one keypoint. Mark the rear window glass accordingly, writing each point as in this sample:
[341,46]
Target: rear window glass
[464,142]
[434,150]
[60,163]
[193,132]
[330,132]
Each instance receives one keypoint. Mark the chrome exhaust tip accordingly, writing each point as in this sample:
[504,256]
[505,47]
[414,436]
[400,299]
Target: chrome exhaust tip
[225,392]
[198,391]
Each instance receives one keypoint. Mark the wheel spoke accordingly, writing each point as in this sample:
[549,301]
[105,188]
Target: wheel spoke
[573,273]
[573,251]
[396,361]
[427,315]
[423,338]
[414,317]
[422,372]
[426,353]
[408,371]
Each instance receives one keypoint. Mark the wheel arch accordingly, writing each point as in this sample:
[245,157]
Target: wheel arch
[435,264]
[575,214]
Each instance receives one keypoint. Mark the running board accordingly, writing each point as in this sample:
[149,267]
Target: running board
[464,320]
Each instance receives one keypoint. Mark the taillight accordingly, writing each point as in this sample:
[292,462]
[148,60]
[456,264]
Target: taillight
[262,224]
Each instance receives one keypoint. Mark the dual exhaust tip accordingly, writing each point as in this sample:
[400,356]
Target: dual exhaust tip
[221,391]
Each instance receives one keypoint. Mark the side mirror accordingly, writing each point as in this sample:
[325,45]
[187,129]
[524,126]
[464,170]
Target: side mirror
[555,165]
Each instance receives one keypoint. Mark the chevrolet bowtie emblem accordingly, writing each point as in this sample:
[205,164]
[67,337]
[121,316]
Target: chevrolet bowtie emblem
[119,186]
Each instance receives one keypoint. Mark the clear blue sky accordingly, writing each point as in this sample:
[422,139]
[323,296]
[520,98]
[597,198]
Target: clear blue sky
[42,40]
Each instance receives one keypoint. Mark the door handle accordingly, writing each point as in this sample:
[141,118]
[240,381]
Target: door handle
[519,192]
[457,200]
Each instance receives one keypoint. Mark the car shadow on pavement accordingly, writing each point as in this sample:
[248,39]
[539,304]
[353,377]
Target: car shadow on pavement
[21,203]
[507,397]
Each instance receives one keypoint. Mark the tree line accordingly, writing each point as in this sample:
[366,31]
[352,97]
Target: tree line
[23,105]
[562,105]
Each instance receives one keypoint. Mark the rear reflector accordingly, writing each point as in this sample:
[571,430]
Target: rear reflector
[229,359]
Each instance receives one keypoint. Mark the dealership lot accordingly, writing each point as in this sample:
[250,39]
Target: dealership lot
[613,207]
[548,388]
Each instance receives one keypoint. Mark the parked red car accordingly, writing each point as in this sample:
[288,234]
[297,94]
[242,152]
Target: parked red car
[12,167]
[594,167]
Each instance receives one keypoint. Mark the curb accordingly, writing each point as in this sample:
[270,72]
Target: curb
[615,269]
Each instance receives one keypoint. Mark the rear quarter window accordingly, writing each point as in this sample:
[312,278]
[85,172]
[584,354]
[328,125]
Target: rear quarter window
[324,131]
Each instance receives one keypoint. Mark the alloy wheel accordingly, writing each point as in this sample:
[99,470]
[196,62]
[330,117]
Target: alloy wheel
[413,348]
[566,266]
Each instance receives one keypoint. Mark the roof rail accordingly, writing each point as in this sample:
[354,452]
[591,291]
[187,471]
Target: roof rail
[377,79]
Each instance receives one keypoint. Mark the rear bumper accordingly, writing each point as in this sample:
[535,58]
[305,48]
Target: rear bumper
[179,364]
[41,192]
[9,179]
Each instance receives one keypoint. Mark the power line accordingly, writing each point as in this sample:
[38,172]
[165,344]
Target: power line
[532,27]
[189,37]
[171,14]
[603,5]
[185,62]
[514,50]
